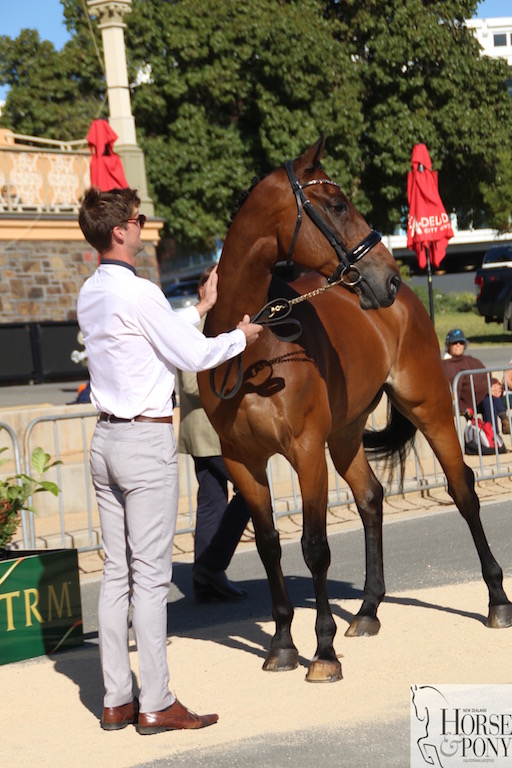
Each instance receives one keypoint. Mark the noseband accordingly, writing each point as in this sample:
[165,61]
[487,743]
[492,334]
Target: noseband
[347,257]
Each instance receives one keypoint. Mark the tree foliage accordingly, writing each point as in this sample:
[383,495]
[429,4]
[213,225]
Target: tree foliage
[53,94]
[223,91]
[234,89]
[424,80]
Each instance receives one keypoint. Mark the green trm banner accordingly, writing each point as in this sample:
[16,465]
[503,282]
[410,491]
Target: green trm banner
[40,606]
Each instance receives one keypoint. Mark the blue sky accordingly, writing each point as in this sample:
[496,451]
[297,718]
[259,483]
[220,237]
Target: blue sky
[46,16]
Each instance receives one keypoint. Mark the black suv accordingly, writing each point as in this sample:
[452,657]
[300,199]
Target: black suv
[493,282]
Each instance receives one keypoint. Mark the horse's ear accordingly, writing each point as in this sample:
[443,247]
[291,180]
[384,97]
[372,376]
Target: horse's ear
[312,157]
[320,144]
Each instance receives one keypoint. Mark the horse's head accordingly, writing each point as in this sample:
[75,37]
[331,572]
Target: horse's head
[320,229]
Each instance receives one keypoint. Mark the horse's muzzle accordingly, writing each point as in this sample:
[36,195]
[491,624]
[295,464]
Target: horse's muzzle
[372,298]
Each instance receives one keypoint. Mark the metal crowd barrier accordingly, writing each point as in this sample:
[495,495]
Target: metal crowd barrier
[503,461]
[72,519]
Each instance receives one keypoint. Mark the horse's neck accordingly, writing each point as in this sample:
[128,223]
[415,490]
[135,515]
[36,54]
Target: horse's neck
[244,278]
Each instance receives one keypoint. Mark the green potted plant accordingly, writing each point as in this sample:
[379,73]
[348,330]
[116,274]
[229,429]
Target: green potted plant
[16,491]
[40,606]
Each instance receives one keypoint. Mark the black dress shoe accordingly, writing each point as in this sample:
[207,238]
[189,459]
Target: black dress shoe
[214,585]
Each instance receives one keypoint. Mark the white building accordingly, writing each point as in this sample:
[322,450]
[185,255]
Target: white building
[495,36]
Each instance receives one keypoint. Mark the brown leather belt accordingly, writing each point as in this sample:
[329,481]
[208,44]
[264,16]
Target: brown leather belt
[116,420]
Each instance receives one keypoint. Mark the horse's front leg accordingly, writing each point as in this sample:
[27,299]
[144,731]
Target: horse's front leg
[282,654]
[324,667]
[368,495]
[369,505]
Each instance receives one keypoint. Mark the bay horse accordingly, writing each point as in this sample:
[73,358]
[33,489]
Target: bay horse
[360,337]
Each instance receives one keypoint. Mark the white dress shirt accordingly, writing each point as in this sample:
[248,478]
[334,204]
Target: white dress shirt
[135,341]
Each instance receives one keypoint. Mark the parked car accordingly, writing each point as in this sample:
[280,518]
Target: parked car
[183,294]
[493,283]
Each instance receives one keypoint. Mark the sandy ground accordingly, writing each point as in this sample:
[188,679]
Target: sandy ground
[50,708]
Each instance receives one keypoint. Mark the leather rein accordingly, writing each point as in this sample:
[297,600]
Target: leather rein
[276,312]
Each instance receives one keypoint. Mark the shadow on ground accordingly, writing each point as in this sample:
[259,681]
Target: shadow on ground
[235,625]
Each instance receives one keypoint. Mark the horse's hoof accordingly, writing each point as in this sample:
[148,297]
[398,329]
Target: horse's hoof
[282,660]
[322,671]
[363,626]
[500,616]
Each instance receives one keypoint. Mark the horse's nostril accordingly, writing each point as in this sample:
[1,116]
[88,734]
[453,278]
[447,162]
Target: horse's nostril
[395,283]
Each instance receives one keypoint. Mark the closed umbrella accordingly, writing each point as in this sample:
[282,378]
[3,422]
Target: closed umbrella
[106,166]
[428,227]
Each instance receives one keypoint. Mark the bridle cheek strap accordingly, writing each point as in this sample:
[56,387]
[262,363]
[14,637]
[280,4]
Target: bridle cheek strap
[347,257]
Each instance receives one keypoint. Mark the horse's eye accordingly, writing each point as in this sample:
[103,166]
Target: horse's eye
[339,206]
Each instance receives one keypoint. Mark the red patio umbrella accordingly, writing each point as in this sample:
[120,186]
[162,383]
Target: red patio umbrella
[428,227]
[106,166]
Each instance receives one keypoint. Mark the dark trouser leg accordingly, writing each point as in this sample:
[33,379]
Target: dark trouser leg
[218,530]
[212,498]
[219,525]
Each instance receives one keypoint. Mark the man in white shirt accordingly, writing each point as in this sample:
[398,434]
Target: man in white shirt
[134,343]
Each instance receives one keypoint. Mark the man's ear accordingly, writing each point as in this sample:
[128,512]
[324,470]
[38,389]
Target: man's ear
[118,234]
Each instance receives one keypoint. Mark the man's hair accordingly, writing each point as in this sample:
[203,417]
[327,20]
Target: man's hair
[206,274]
[204,277]
[101,211]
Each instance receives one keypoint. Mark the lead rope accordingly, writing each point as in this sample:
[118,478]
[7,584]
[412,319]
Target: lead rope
[274,313]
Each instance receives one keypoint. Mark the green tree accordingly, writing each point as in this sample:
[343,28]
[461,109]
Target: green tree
[225,90]
[52,93]
[424,80]
[231,90]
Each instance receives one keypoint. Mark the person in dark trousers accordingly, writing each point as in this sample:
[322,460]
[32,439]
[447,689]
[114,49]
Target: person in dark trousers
[219,524]
[134,343]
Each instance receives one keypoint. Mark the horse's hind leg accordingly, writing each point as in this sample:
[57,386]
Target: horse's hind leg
[368,496]
[438,427]
[464,496]
[282,654]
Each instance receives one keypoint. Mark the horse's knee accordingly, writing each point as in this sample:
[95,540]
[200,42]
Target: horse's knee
[269,547]
[316,551]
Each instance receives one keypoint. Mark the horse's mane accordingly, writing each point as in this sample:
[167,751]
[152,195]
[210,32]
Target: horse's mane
[245,194]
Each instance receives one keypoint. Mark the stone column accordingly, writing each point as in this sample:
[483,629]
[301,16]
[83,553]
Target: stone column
[110,15]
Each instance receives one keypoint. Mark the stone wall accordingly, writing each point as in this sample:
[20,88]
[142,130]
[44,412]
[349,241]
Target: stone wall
[40,279]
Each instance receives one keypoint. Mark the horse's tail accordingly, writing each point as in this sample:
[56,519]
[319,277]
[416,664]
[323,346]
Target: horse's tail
[391,444]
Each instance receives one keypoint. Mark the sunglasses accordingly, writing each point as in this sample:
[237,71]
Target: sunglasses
[140,220]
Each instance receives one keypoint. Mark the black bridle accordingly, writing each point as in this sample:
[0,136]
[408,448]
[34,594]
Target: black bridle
[347,257]
[276,312]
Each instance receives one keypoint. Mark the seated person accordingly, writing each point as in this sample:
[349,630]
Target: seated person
[500,408]
[455,361]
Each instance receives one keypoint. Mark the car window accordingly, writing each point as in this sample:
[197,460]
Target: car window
[181,289]
[498,254]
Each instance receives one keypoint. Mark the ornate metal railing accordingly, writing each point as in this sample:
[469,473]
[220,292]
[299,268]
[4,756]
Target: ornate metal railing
[42,175]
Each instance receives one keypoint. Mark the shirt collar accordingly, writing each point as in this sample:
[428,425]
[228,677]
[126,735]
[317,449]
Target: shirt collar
[108,262]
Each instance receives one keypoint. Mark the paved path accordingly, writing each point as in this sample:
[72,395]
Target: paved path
[432,631]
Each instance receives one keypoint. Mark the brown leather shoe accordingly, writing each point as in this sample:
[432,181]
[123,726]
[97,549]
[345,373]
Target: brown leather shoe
[115,718]
[173,718]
